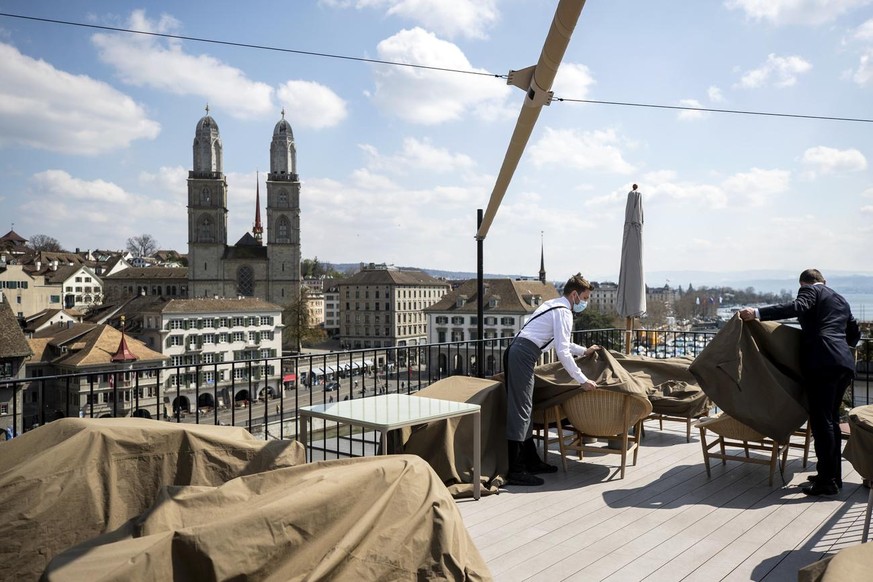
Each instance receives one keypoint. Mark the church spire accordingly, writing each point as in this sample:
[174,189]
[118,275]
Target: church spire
[542,259]
[123,353]
[257,229]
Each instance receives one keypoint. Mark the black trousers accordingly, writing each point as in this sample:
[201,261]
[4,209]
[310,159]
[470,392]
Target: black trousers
[825,389]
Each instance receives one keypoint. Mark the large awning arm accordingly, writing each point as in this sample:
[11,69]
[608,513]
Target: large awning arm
[537,82]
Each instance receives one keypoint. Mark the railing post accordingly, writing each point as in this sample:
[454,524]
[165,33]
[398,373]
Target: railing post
[480,294]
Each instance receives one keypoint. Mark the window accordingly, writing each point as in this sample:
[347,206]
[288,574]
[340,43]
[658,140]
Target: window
[283,229]
[222,338]
[176,340]
[208,338]
[176,324]
[507,321]
[266,320]
[441,319]
[239,336]
[253,337]
[78,279]
[55,299]
[245,281]
[458,320]
[206,230]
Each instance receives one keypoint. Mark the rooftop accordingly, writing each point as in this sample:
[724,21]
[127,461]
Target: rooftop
[665,520]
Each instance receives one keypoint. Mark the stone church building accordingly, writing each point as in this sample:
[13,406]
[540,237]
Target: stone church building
[252,267]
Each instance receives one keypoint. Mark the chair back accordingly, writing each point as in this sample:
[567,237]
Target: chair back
[603,413]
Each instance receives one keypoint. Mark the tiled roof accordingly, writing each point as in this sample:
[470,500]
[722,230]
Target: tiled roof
[390,277]
[512,296]
[148,273]
[13,344]
[206,305]
[102,343]
[60,275]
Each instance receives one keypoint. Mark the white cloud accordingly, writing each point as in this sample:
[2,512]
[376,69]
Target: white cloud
[45,108]
[585,150]
[864,33]
[96,212]
[151,62]
[757,186]
[311,104]
[825,160]
[868,193]
[431,97]
[416,156]
[864,73]
[805,12]
[780,71]
[867,209]
[166,180]
[715,95]
[573,80]
[469,18]
[691,115]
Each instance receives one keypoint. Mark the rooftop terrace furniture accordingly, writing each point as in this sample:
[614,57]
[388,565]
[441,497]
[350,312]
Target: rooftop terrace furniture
[732,433]
[605,414]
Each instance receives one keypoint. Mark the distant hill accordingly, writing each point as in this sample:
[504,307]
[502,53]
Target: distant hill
[439,274]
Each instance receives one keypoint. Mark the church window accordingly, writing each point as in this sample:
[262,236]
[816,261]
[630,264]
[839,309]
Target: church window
[283,198]
[205,197]
[207,233]
[283,230]
[245,279]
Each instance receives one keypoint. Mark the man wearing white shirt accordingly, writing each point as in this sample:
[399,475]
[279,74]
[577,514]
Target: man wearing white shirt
[549,326]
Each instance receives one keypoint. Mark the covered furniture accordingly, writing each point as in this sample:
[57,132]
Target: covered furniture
[445,444]
[605,414]
[672,389]
[375,518]
[734,434]
[73,479]
[847,565]
[751,371]
[859,452]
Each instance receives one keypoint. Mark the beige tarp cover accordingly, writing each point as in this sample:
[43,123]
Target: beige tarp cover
[72,479]
[376,518]
[671,387]
[751,370]
[859,447]
[448,444]
[848,565]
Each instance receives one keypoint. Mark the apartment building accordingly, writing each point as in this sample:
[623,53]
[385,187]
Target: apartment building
[239,340]
[507,305]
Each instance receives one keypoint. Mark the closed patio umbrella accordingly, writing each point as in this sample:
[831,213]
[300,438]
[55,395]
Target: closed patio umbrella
[631,296]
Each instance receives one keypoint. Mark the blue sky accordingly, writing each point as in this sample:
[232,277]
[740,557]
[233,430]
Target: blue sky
[96,128]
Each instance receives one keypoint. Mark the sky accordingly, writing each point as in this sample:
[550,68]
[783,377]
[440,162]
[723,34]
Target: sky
[97,127]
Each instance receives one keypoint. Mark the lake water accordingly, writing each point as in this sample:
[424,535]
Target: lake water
[862,305]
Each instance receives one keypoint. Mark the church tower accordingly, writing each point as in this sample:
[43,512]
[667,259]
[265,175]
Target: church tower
[207,212]
[283,216]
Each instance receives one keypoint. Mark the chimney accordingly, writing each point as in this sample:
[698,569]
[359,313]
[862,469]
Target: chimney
[38,265]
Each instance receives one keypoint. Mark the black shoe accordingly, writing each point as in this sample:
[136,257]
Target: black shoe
[524,479]
[815,478]
[532,462]
[821,488]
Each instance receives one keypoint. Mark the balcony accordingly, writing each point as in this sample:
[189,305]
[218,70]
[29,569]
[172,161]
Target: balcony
[664,521]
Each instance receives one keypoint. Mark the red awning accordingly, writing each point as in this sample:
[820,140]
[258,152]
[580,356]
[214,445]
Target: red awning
[289,377]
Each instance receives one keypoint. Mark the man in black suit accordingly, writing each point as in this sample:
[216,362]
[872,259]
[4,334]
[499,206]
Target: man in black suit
[828,331]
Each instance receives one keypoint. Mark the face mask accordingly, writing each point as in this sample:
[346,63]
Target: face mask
[580,307]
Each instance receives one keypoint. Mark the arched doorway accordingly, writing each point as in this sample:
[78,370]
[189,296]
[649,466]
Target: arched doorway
[141,413]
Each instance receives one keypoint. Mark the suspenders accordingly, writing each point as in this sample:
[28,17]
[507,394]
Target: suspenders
[537,315]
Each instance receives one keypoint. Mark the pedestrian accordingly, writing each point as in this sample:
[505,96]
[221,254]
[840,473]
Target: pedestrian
[551,322]
[827,332]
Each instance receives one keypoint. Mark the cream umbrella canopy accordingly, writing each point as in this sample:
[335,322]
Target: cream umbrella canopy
[537,82]
[631,296]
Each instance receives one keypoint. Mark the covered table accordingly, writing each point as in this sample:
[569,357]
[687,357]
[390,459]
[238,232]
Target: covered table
[445,444]
[859,452]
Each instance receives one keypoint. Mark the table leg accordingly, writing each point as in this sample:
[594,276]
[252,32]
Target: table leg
[384,437]
[477,454]
[304,436]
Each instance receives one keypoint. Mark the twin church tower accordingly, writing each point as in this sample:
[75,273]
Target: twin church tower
[268,270]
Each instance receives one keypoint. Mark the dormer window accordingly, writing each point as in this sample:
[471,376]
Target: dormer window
[492,303]
[462,300]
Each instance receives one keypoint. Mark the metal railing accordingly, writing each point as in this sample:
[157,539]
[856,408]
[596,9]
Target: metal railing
[239,393]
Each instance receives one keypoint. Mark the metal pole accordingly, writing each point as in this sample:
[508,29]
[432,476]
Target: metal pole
[480,306]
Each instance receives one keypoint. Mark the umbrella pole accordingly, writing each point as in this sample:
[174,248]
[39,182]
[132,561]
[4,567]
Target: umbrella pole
[628,333]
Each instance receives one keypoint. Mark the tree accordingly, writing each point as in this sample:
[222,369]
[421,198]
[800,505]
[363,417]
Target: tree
[44,242]
[142,245]
[315,269]
[299,329]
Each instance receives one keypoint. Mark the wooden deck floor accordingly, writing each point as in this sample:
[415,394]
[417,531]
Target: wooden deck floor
[665,520]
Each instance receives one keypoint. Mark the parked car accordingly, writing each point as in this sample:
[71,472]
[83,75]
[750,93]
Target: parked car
[331,386]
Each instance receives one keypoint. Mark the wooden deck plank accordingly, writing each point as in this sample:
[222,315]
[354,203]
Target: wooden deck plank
[665,521]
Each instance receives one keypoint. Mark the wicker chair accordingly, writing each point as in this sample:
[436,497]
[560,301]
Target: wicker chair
[605,414]
[543,419]
[733,433]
